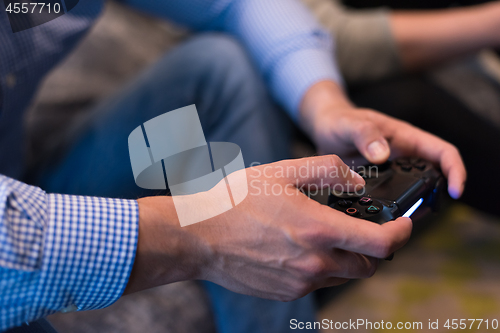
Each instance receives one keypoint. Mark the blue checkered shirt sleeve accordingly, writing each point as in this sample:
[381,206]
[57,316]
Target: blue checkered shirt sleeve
[61,252]
[288,45]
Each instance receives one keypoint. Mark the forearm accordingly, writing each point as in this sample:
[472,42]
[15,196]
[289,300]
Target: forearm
[427,38]
[363,38]
[284,40]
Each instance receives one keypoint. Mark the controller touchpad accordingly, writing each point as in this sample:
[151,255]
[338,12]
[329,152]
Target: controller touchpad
[393,187]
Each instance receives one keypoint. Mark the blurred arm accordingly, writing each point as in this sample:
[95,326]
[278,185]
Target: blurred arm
[289,47]
[429,37]
[366,49]
[375,43]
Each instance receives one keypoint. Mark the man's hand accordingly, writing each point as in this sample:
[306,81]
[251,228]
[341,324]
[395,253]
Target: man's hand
[336,126]
[276,244]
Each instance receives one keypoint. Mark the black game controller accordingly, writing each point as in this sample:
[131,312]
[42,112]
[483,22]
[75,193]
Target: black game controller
[392,190]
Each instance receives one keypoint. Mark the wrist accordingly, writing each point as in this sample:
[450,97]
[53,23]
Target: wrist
[166,252]
[323,99]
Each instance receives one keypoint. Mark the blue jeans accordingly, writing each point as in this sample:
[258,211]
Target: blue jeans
[215,73]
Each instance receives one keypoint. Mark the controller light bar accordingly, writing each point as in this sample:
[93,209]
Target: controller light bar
[413,208]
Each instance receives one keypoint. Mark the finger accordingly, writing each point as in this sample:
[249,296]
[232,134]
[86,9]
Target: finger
[365,237]
[370,142]
[454,170]
[448,157]
[412,141]
[351,265]
[321,171]
[333,282]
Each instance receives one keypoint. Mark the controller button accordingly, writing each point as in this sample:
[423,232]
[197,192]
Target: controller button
[352,211]
[406,167]
[345,203]
[373,209]
[365,201]
[401,161]
[420,166]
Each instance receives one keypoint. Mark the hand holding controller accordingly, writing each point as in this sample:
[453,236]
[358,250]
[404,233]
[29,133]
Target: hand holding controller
[392,190]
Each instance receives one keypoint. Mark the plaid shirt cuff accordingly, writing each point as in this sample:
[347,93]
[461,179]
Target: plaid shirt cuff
[89,250]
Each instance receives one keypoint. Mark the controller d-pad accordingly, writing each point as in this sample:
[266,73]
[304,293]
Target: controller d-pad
[406,167]
[344,203]
[372,209]
[365,201]
[420,166]
[352,211]
[407,164]
[401,160]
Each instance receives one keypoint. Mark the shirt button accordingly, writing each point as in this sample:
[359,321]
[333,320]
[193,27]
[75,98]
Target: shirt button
[69,308]
[11,80]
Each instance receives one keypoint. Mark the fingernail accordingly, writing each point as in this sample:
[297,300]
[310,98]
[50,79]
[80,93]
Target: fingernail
[357,178]
[453,193]
[456,193]
[377,150]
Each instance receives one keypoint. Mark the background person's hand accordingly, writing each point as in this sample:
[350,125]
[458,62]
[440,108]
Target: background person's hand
[277,244]
[336,126]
